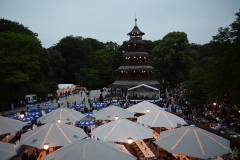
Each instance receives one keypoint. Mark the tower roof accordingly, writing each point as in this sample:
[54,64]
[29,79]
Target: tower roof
[135,31]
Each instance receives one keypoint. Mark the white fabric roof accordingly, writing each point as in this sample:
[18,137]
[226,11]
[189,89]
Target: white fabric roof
[90,149]
[7,150]
[143,85]
[8,125]
[143,106]
[194,142]
[53,133]
[120,130]
[161,119]
[65,86]
[110,112]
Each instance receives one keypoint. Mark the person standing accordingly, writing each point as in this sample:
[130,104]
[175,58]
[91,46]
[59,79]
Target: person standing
[21,103]
[32,156]
[68,104]
[25,155]
[12,108]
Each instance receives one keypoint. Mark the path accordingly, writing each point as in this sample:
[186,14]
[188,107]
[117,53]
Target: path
[70,99]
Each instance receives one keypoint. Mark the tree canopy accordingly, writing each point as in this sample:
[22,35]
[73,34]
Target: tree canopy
[219,68]
[19,55]
[24,63]
[172,57]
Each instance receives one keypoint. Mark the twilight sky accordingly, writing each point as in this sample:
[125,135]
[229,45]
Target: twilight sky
[111,20]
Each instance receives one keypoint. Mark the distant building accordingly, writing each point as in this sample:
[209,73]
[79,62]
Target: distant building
[136,68]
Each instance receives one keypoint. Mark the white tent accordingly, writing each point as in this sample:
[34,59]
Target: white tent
[8,125]
[65,87]
[55,134]
[90,149]
[66,115]
[122,129]
[145,92]
[144,107]
[194,142]
[110,112]
[161,119]
[7,150]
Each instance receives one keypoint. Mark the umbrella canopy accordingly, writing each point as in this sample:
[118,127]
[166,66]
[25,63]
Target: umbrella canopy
[98,105]
[50,110]
[80,105]
[13,116]
[86,123]
[144,107]
[121,130]
[115,104]
[46,104]
[29,105]
[34,114]
[109,113]
[27,119]
[89,114]
[64,114]
[89,149]
[53,133]
[7,150]
[161,119]
[8,125]
[35,110]
[194,142]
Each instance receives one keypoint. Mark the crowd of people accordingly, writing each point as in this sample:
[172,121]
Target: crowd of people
[219,116]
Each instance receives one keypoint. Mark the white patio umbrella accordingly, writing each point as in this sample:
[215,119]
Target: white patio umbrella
[64,114]
[144,107]
[52,133]
[122,129]
[194,142]
[8,125]
[161,119]
[111,112]
[89,149]
[7,150]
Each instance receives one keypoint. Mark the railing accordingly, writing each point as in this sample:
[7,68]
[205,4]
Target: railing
[135,63]
[136,79]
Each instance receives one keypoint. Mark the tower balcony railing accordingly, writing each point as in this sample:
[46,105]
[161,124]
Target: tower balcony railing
[136,79]
[136,63]
[134,49]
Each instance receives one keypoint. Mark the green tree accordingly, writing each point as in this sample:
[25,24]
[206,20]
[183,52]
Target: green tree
[197,84]
[224,71]
[57,63]
[217,72]
[172,57]
[19,55]
[151,45]
[88,77]
[10,26]
[103,62]
[24,67]
[70,49]
[78,53]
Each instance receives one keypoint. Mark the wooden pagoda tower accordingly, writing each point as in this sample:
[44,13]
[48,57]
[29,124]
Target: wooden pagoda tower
[136,68]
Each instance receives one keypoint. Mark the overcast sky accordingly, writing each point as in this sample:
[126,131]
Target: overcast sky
[111,20]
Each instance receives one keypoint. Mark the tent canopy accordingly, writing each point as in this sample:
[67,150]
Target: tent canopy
[65,86]
[143,92]
[142,87]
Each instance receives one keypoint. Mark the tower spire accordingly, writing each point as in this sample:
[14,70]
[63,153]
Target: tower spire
[135,20]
